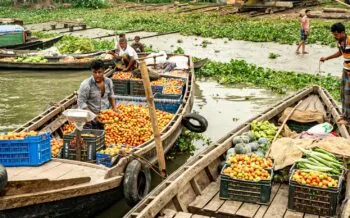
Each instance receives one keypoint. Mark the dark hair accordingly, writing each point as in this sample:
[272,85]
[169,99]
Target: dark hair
[97,64]
[122,35]
[307,10]
[122,40]
[338,27]
[137,38]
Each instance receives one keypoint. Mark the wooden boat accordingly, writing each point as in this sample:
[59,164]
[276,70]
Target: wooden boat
[35,43]
[83,198]
[14,53]
[192,190]
[54,63]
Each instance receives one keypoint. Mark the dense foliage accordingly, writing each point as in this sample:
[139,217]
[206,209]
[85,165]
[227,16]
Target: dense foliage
[283,30]
[240,72]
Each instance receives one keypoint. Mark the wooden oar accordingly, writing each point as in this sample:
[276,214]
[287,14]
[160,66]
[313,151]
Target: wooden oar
[281,127]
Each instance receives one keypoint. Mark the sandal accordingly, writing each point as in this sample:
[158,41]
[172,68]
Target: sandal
[297,52]
[305,52]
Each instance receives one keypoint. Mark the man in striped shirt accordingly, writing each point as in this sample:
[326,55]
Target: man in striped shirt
[338,30]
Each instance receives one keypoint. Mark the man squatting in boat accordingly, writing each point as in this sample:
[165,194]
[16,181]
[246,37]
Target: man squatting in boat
[338,30]
[126,59]
[95,93]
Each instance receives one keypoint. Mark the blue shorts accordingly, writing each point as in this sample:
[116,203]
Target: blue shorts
[303,36]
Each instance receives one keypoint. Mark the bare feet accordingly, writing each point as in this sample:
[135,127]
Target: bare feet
[297,52]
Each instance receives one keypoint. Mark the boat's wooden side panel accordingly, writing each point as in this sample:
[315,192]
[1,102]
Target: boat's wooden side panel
[200,166]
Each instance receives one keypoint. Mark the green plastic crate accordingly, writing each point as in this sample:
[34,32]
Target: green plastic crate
[245,191]
[314,200]
[90,144]
[121,87]
[12,38]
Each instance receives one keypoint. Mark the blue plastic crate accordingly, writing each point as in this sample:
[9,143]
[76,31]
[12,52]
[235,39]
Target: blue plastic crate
[157,89]
[31,151]
[104,159]
[168,105]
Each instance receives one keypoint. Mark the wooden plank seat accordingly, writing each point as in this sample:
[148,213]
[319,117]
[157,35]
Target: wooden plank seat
[209,204]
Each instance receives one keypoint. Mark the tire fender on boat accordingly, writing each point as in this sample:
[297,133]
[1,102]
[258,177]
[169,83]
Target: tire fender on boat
[3,177]
[137,182]
[198,128]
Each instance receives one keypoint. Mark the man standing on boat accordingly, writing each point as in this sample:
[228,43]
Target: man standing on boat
[95,93]
[338,30]
[127,57]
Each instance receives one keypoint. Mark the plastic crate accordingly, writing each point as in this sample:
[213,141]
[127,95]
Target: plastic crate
[168,105]
[104,159]
[121,87]
[167,96]
[90,144]
[136,88]
[31,151]
[245,191]
[157,89]
[314,200]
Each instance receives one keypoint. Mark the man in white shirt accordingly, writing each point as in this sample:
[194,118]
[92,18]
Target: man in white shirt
[127,55]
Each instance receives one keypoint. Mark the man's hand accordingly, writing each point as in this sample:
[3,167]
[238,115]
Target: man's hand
[125,69]
[115,109]
[323,59]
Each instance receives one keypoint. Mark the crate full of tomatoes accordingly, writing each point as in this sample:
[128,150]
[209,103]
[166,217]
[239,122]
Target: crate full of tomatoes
[248,178]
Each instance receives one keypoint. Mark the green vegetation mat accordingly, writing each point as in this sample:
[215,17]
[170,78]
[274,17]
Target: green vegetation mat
[282,30]
[240,72]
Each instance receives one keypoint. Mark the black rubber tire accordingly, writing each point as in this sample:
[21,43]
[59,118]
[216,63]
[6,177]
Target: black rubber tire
[3,177]
[137,182]
[203,123]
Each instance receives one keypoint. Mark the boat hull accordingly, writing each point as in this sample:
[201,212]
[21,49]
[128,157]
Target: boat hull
[82,206]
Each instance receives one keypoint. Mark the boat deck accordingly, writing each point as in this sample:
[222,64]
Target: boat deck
[57,169]
[209,204]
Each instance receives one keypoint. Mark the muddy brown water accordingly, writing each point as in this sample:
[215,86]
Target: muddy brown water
[24,94]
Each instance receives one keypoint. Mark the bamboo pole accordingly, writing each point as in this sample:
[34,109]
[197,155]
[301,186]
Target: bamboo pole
[152,113]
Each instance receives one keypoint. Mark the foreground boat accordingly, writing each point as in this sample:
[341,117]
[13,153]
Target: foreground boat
[66,198]
[193,190]
[35,44]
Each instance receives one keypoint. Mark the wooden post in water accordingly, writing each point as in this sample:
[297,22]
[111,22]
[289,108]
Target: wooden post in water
[153,116]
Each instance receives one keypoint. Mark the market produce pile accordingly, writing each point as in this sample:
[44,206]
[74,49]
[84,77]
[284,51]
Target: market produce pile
[75,60]
[71,44]
[248,167]
[320,160]
[256,141]
[26,59]
[131,126]
[115,149]
[68,128]
[56,145]
[314,178]
[17,135]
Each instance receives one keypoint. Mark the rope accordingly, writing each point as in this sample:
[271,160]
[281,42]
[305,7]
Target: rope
[142,159]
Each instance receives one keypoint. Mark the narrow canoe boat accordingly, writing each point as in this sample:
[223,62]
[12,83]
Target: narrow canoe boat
[35,43]
[54,63]
[192,190]
[73,188]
